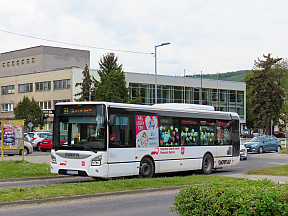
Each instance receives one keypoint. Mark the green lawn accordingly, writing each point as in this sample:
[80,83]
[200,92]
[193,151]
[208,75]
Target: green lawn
[277,171]
[22,169]
[72,189]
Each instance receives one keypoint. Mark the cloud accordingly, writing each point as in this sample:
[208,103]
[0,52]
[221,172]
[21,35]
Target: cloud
[206,35]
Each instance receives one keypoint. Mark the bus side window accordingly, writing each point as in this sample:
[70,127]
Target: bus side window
[207,132]
[169,131]
[223,132]
[121,132]
[189,132]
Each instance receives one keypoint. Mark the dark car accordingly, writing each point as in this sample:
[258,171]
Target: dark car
[263,143]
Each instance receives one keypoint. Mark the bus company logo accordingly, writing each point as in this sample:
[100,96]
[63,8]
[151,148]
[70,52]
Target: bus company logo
[64,163]
[221,162]
[72,155]
[83,163]
[182,150]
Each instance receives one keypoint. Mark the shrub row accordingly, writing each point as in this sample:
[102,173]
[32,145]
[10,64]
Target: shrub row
[246,197]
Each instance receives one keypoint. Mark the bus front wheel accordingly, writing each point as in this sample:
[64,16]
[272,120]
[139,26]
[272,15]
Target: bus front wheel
[207,164]
[146,168]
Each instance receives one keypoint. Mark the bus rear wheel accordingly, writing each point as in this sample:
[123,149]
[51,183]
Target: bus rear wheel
[147,168]
[207,164]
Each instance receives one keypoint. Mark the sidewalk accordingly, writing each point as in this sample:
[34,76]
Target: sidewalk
[277,179]
[30,158]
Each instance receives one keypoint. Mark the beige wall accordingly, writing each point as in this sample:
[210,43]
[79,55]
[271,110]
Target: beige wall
[50,95]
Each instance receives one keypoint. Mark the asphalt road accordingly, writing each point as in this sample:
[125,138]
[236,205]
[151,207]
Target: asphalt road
[255,161]
[154,203]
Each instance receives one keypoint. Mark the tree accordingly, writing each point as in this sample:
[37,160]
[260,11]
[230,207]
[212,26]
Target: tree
[29,110]
[112,85]
[265,92]
[138,99]
[87,86]
[282,67]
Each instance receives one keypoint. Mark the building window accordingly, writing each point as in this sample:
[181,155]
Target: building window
[45,105]
[3,64]
[33,60]
[23,61]
[7,89]
[8,64]
[28,87]
[7,107]
[43,86]
[28,61]
[62,84]
[13,63]
[18,62]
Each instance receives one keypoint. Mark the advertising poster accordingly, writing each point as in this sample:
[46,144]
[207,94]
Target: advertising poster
[12,134]
[146,131]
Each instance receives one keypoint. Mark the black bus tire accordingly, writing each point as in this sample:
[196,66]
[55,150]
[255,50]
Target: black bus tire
[147,168]
[207,164]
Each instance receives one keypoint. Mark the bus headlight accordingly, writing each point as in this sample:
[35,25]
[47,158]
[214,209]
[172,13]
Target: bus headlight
[53,160]
[96,161]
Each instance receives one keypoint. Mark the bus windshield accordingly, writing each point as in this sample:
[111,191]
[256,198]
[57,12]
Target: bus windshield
[84,125]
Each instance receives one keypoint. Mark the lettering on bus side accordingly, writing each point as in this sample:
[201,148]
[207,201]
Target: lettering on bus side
[222,162]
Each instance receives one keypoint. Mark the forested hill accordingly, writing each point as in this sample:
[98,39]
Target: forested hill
[231,76]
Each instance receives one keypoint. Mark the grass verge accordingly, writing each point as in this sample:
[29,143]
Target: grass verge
[72,189]
[23,169]
[284,151]
[277,171]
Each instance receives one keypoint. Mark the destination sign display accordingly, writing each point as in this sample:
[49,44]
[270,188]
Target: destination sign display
[85,110]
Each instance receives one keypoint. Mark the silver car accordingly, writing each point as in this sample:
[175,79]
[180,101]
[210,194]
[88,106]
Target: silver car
[28,149]
[243,152]
[36,138]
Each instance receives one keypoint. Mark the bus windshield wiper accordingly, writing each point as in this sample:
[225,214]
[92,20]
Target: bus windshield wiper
[87,148]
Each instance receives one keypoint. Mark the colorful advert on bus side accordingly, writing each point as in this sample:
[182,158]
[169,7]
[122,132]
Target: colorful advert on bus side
[146,131]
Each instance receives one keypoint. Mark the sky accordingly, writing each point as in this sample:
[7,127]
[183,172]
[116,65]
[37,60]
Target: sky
[208,35]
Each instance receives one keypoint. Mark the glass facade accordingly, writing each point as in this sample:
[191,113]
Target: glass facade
[223,100]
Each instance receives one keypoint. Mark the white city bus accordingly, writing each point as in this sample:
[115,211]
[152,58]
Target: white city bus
[114,139]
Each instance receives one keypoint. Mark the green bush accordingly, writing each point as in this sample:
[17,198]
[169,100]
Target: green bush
[261,197]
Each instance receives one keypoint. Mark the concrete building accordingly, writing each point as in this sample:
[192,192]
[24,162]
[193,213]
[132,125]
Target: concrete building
[49,75]
[41,59]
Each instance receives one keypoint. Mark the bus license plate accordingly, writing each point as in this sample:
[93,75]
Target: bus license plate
[72,172]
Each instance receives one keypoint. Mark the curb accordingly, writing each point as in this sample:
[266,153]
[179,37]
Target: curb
[34,178]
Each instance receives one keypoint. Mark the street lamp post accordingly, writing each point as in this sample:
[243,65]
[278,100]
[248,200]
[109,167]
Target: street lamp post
[155,55]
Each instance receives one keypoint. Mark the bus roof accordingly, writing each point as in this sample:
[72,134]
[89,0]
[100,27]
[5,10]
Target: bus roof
[175,107]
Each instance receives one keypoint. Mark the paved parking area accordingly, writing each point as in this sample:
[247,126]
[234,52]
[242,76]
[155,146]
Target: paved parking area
[30,158]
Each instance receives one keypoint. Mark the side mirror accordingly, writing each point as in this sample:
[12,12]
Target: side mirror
[43,117]
[112,120]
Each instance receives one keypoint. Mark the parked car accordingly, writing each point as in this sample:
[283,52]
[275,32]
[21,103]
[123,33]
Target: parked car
[279,135]
[46,143]
[37,137]
[243,152]
[261,144]
[28,149]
